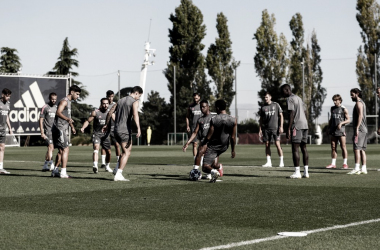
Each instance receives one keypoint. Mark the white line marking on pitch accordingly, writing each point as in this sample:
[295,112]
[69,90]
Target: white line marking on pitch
[250,242]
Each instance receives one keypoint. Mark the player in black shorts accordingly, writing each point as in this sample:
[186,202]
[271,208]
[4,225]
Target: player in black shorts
[221,133]
[4,123]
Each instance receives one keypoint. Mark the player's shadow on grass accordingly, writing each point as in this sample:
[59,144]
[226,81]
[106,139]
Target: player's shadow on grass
[72,177]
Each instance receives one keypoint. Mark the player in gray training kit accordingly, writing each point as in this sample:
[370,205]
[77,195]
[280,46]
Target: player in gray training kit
[201,130]
[222,131]
[98,136]
[271,127]
[339,118]
[192,115]
[126,108]
[60,130]
[359,138]
[110,96]
[4,123]
[297,131]
[47,117]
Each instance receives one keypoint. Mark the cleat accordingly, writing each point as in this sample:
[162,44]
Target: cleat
[295,176]
[331,166]
[65,176]
[208,177]
[3,171]
[45,168]
[345,166]
[281,165]
[109,170]
[103,166]
[363,171]
[220,170]
[214,176]
[267,165]
[119,177]
[354,172]
[305,175]
[55,173]
[95,169]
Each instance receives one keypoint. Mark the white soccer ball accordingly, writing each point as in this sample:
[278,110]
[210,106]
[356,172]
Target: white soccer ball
[195,175]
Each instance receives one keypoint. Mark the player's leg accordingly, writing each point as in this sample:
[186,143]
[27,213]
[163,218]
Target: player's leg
[2,150]
[95,157]
[65,158]
[125,140]
[103,158]
[342,141]
[277,139]
[195,148]
[106,147]
[334,141]
[117,149]
[208,160]
[305,154]
[266,140]
[363,155]
[218,166]
[358,145]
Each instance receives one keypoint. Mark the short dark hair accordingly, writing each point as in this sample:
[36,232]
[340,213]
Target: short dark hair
[101,100]
[137,89]
[204,101]
[75,88]
[109,92]
[267,93]
[196,93]
[286,86]
[338,97]
[357,91]
[52,94]
[6,91]
[220,104]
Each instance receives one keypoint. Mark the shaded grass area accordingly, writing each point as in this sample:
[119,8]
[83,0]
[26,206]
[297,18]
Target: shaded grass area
[161,209]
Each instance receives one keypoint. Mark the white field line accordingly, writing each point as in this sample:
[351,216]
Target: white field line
[250,242]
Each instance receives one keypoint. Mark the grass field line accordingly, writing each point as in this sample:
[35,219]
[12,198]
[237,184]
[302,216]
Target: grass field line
[277,237]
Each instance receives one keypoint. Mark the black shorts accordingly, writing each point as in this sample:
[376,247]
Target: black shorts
[122,137]
[268,134]
[104,140]
[60,138]
[360,142]
[299,135]
[2,137]
[211,154]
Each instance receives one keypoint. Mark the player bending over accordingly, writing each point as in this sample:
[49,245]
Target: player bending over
[222,132]
[98,137]
[337,123]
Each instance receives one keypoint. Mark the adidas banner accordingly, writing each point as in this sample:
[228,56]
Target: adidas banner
[29,95]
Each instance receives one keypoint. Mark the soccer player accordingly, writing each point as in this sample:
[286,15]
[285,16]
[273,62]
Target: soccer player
[110,95]
[360,132]
[61,124]
[192,116]
[297,131]
[338,120]
[222,131]
[201,130]
[126,108]
[98,137]
[47,116]
[4,122]
[378,95]
[269,127]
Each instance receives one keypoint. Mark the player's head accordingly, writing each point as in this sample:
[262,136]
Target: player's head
[52,98]
[286,90]
[220,105]
[205,108]
[337,99]
[196,97]
[355,94]
[110,95]
[267,98]
[6,94]
[136,92]
[104,102]
[75,92]
[378,91]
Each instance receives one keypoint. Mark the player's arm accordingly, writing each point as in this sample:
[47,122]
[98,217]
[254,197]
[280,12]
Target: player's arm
[209,134]
[233,140]
[9,125]
[188,120]
[291,121]
[331,117]
[109,115]
[193,135]
[346,121]
[281,129]
[260,125]
[42,127]
[88,121]
[135,117]
[359,108]
[61,107]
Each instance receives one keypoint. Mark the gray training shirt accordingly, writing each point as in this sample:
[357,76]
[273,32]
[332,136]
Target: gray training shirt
[269,114]
[204,125]
[123,116]
[99,121]
[58,121]
[195,114]
[296,104]
[48,113]
[4,111]
[112,123]
[223,127]
[337,116]
[355,117]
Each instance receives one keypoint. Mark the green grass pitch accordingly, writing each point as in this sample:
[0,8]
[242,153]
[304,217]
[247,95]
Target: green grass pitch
[161,209]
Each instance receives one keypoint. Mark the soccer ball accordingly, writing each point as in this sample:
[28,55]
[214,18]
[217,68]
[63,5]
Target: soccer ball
[195,175]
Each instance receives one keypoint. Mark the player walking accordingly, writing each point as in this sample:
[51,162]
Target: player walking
[269,127]
[297,131]
[201,130]
[126,108]
[222,131]
[61,124]
[4,123]
[47,116]
[339,118]
[98,137]
[360,132]
[192,116]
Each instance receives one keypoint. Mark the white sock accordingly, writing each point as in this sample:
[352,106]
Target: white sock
[103,159]
[213,171]
[333,162]
[345,161]
[108,165]
[1,165]
[297,170]
[118,157]
[306,169]
[281,158]
[95,164]
[119,171]
[50,162]
[63,171]
[202,161]
[364,167]
[357,166]
[268,159]
[196,167]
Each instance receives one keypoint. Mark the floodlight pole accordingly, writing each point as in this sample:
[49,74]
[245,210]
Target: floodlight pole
[236,109]
[175,110]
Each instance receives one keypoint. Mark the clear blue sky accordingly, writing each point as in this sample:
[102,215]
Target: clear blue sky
[110,36]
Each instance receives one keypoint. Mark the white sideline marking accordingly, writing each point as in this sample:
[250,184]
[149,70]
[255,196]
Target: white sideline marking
[250,242]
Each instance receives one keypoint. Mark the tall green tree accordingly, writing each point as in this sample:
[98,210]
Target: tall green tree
[297,54]
[271,59]
[185,51]
[220,63]
[9,60]
[368,17]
